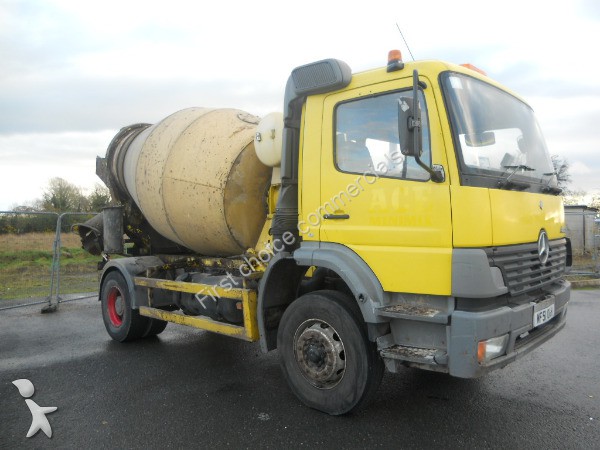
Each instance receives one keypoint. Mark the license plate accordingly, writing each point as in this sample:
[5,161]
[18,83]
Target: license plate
[543,312]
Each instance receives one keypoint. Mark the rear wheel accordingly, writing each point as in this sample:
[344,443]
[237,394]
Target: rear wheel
[121,321]
[155,327]
[325,353]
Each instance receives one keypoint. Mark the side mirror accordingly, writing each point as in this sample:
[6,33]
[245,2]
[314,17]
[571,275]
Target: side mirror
[410,131]
[409,127]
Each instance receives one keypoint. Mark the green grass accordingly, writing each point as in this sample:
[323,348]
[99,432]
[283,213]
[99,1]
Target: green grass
[26,265]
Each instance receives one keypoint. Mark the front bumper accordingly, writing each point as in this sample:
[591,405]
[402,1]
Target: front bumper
[468,328]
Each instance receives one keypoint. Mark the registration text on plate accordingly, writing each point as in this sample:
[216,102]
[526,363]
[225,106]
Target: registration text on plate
[543,312]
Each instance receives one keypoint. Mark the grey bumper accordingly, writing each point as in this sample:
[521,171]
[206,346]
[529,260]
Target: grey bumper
[469,328]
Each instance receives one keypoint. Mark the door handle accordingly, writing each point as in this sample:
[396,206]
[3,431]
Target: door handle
[336,216]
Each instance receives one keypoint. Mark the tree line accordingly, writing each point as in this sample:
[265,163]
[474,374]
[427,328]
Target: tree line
[62,196]
[572,197]
[59,196]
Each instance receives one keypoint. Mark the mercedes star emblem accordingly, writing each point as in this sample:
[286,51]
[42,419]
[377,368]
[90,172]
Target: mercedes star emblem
[543,247]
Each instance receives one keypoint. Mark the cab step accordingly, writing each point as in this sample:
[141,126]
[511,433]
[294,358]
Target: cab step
[414,312]
[424,358]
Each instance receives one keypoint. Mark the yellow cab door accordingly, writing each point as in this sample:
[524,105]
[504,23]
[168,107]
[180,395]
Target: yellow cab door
[378,202]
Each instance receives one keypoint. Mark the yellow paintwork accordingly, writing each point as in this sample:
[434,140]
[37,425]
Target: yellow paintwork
[309,186]
[248,332]
[471,216]
[189,288]
[401,228]
[405,230]
[265,241]
[203,323]
[517,216]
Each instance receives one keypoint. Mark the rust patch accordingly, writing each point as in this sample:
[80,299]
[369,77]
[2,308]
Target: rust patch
[412,310]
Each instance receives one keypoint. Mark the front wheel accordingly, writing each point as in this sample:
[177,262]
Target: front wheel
[325,354]
[122,322]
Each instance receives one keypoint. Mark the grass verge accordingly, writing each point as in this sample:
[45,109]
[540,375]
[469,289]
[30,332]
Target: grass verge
[26,266]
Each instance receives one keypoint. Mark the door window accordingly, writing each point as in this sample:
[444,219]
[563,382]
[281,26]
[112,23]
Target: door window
[366,138]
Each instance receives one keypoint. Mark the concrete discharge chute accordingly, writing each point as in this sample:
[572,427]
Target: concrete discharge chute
[194,177]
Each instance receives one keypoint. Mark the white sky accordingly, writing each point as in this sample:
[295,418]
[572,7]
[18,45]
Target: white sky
[73,72]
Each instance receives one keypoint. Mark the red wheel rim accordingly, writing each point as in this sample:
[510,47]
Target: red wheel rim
[115,306]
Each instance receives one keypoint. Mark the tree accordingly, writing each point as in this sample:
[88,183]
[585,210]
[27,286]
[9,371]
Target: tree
[99,198]
[62,196]
[595,202]
[33,207]
[561,169]
[574,197]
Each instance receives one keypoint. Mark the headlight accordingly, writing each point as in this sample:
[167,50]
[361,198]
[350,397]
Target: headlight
[491,348]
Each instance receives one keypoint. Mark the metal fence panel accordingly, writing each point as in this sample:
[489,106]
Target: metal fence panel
[78,270]
[26,253]
[41,260]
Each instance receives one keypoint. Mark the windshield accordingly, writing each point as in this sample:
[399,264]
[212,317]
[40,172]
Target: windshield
[498,141]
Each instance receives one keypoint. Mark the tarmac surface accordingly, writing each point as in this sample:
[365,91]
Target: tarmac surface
[191,389]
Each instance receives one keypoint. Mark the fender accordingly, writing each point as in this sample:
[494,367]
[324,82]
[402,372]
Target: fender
[355,272]
[130,268]
[278,288]
[279,284]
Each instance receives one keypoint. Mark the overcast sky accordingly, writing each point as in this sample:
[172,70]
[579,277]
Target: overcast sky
[73,72]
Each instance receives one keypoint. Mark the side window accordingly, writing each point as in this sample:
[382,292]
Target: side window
[366,138]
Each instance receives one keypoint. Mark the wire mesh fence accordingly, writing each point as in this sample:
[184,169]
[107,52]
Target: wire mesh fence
[41,260]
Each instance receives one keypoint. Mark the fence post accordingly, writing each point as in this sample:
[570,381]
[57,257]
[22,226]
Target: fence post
[52,306]
[55,269]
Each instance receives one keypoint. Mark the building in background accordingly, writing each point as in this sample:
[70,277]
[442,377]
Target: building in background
[583,228]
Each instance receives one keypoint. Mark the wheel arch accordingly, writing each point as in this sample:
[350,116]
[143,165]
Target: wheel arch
[352,269]
[277,289]
[279,285]
[130,268]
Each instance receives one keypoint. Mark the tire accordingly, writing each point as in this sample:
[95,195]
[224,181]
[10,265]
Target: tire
[155,327]
[325,354]
[121,321]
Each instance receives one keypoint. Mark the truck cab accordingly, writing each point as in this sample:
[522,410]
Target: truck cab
[453,249]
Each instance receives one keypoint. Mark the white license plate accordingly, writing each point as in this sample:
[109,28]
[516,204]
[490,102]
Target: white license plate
[543,312]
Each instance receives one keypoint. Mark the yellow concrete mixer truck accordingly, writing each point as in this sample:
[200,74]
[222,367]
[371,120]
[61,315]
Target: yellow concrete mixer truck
[403,216]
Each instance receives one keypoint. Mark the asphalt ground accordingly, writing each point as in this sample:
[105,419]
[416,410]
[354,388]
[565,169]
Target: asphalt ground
[191,389]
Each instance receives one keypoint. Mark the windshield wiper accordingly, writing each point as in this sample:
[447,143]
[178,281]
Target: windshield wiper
[507,183]
[550,189]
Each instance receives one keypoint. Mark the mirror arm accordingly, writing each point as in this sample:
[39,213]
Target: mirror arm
[414,123]
[436,177]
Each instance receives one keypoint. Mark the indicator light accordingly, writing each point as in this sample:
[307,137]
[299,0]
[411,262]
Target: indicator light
[476,69]
[394,61]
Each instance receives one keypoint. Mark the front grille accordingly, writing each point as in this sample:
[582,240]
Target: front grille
[521,267]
